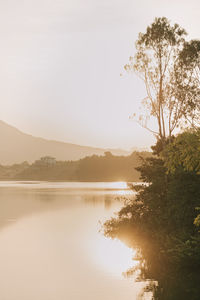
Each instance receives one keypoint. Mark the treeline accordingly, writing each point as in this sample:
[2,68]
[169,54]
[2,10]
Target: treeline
[92,168]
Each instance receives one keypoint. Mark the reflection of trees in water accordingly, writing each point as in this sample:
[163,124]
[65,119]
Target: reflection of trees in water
[17,203]
[164,281]
[107,203]
[44,195]
[108,200]
[176,285]
[96,200]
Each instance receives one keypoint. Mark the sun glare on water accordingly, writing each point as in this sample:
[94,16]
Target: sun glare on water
[119,185]
[120,188]
[113,256]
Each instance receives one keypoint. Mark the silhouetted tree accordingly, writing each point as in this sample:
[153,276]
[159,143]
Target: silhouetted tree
[160,61]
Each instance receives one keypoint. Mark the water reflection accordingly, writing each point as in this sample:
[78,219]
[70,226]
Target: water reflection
[18,199]
[51,247]
[164,281]
[74,186]
[113,255]
[174,284]
[106,200]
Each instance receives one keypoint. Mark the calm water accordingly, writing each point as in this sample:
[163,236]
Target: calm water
[51,247]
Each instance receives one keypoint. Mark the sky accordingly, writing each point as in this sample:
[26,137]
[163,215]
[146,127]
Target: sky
[60,66]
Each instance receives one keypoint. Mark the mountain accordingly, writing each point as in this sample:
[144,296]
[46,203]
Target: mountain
[17,147]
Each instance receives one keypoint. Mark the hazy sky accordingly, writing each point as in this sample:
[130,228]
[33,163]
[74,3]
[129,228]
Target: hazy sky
[61,62]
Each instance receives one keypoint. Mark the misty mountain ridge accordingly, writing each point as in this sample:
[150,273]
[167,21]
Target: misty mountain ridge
[17,147]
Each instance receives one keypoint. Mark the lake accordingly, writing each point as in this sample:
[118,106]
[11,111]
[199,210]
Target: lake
[51,246]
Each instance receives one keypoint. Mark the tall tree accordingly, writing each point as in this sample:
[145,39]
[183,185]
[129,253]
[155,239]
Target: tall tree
[188,81]
[159,63]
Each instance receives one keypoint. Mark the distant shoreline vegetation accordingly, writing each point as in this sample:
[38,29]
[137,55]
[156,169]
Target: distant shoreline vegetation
[107,167]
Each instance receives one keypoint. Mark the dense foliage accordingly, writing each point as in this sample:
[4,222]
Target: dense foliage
[162,221]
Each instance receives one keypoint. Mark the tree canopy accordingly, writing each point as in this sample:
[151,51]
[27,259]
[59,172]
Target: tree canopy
[162,62]
[183,152]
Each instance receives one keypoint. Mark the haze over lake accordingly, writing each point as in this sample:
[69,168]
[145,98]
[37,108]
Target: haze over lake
[51,247]
[100,150]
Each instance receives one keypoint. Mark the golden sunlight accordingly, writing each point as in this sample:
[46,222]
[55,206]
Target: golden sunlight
[120,188]
[121,185]
[113,256]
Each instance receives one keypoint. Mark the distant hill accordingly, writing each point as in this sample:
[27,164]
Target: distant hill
[17,147]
